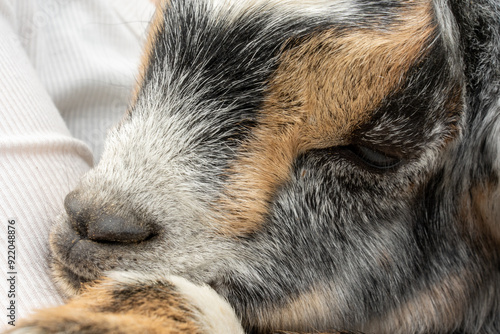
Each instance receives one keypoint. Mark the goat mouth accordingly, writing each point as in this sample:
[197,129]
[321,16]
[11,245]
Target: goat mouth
[73,262]
[68,281]
[70,263]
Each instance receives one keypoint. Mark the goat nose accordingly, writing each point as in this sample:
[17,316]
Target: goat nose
[104,225]
[117,229]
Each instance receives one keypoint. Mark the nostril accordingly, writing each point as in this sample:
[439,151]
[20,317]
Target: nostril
[75,209]
[113,228]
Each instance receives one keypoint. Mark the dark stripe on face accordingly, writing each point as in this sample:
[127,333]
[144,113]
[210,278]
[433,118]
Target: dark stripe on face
[407,119]
[230,62]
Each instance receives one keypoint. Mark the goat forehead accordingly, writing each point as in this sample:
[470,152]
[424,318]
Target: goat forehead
[229,51]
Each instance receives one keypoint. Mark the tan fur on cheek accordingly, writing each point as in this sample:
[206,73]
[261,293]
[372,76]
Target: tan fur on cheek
[322,91]
[309,311]
[486,211]
[440,306]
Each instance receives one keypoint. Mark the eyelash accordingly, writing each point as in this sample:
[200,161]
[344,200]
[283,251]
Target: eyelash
[373,158]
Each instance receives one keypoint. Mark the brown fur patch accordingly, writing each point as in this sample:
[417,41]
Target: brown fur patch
[74,320]
[107,308]
[323,90]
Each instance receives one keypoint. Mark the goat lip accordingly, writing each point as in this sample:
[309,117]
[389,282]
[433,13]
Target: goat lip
[72,261]
[68,280]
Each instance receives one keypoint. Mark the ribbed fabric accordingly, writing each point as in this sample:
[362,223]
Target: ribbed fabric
[67,69]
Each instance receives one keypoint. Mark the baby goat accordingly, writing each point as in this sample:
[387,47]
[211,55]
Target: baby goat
[295,165]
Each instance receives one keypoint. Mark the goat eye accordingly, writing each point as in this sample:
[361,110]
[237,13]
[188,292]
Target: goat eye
[374,158]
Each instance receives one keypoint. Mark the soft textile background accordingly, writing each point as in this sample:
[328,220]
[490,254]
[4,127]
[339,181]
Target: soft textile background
[67,69]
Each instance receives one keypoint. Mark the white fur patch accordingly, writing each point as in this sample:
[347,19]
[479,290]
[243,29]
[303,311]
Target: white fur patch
[217,316]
